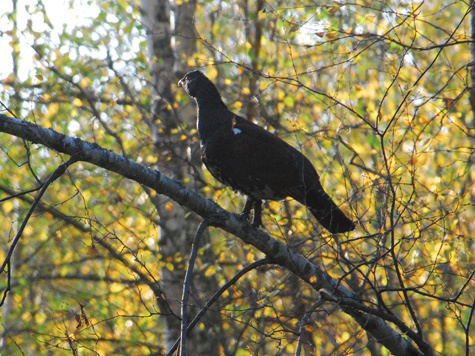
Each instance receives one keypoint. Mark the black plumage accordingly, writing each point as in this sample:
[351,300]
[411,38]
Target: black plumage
[255,162]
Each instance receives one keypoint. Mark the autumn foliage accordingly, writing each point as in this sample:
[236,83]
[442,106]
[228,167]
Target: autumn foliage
[376,94]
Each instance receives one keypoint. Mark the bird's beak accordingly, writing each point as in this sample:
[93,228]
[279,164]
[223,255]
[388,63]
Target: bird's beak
[180,83]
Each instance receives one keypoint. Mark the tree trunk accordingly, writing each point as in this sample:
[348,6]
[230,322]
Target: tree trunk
[156,18]
[168,57]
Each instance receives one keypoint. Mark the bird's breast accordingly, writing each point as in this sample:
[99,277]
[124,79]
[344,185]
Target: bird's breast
[233,174]
[234,157]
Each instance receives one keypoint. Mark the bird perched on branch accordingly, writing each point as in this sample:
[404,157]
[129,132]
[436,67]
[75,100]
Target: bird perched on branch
[255,162]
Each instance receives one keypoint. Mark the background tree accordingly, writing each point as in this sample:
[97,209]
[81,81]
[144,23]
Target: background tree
[376,95]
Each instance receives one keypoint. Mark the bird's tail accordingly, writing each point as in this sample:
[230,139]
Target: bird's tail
[327,213]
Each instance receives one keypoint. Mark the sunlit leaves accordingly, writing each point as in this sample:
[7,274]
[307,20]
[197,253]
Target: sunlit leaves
[372,93]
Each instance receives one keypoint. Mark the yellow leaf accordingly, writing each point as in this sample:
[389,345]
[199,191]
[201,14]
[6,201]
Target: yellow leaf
[85,82]
[40,318]
[369,18]
[90,180]
[52,111]
[116,287]
[250,257]
[77,102]
[212,73]
[237,105]
[170,266]
[210,271]
[169,206]
[7,206]
[46,97]
[28,230]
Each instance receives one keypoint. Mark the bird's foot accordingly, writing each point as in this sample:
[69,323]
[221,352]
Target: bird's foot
[246,213]
[257,222]
[257,214]
[244,216]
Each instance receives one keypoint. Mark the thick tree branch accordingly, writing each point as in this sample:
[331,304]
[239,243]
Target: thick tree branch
[275,251]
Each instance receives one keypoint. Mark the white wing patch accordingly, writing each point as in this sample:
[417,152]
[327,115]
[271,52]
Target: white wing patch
[236,130]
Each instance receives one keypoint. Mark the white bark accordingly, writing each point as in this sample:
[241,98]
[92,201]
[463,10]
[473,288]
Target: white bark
[174,232]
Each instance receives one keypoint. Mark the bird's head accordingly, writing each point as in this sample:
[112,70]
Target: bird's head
[192,82]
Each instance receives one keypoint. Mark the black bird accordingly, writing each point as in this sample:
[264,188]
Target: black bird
[255,162]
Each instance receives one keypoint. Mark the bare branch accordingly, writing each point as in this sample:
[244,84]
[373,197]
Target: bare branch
[186,285]
[215,297]
[55,175]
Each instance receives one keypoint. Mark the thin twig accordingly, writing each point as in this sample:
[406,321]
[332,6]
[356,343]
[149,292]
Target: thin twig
[304,321]
[21,193]
[215,297]
[467,329]
[186,285]
[9,284]
[55,175]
